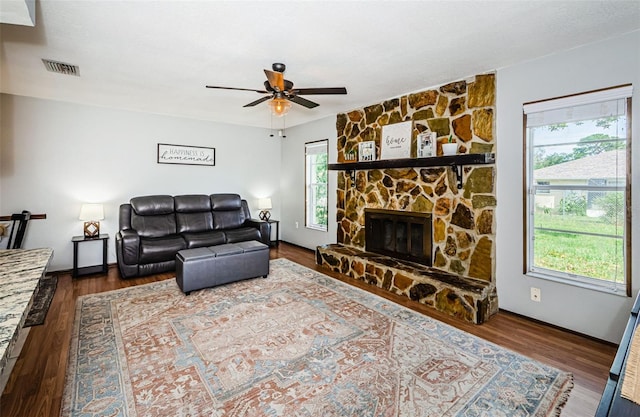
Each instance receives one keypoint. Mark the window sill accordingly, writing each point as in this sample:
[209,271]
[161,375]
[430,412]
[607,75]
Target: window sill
[318,228]
[620,291]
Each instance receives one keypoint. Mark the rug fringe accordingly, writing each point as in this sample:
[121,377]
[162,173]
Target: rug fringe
[42,298]
[563,397]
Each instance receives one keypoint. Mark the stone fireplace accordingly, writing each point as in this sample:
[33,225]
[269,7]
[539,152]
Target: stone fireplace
[459,277]
[399,234]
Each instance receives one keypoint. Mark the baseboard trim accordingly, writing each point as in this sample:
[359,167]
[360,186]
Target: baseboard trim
[298,246]
[564,329]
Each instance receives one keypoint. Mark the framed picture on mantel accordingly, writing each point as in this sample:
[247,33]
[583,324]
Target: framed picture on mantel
[396,141]
[426,144]
[367,151]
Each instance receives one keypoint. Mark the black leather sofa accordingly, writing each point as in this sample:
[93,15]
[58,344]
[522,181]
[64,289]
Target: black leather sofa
[154,228]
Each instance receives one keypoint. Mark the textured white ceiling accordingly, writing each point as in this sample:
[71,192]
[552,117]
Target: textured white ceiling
[157,56]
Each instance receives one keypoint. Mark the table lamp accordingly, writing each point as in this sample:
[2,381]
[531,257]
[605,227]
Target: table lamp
[91,214]
[264,204]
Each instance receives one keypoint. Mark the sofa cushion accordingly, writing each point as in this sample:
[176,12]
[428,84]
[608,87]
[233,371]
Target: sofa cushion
[223,220]
[153,216]
[194,222]
[225,202]
[154,226]
[192,203]
[197,240]
[242,234]
[227,211]
[160,249]
[193,213]
[152,205]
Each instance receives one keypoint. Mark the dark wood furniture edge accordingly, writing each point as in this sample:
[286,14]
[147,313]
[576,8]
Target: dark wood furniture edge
[32,217]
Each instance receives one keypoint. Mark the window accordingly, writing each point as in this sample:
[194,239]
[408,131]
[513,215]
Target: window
[316,184]
[578,189]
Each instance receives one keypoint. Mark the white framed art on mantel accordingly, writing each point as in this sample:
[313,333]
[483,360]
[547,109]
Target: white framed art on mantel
[396,141]
[367,151]
[426,144]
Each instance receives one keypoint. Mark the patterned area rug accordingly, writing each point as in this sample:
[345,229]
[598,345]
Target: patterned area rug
[297,343]
[45,291]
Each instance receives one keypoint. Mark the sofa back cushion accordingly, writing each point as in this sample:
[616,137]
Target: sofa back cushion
[193,213]
[153,215]
[227,211]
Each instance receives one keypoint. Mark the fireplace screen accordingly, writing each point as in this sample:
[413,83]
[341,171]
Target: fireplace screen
[399,234]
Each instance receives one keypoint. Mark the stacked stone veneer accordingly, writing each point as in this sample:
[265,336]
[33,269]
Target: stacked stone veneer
[463,219]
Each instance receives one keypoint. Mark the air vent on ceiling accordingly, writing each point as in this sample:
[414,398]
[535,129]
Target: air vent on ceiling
[61,67]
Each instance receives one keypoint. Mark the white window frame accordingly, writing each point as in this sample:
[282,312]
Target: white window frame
[312,150]
[536,111]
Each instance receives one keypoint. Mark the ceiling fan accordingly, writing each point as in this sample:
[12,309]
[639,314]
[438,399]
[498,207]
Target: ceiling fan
[281,92]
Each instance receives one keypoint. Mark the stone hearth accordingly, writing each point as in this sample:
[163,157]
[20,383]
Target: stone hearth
[469,299]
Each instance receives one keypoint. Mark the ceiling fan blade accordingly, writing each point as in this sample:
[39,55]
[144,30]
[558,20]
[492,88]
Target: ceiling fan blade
[241,89]
[276,79]
[310,91]
[258,101]
[303,102]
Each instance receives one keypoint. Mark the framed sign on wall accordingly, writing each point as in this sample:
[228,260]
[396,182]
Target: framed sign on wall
[186,155]
[396,141]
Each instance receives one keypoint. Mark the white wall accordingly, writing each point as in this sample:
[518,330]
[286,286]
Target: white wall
[292,184]
[55,156]
[604,64]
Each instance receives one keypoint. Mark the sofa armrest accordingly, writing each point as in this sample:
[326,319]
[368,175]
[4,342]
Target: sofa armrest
[128,242]
[263,227]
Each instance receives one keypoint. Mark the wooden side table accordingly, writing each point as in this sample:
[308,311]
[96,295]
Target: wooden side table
[277,240]
[94,269]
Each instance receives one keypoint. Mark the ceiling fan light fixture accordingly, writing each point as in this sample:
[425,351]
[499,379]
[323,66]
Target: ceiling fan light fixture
[279,106]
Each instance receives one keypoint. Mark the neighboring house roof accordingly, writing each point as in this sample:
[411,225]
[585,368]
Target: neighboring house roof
[610,164]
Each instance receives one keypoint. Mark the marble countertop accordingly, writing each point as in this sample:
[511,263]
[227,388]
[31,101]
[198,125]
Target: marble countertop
[20,270]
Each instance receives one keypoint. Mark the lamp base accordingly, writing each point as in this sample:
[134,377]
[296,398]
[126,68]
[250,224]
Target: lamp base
[264,215]
[91,229]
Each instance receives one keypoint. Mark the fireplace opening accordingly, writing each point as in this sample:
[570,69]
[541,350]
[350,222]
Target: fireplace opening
[399,234]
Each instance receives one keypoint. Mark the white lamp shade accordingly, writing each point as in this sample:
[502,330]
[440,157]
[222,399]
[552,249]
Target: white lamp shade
[91,212]
[264,203]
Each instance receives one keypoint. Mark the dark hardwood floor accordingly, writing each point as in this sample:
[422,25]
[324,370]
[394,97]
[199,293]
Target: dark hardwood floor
[36,384]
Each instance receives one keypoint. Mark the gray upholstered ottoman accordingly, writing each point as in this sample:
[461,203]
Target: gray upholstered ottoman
[216,265]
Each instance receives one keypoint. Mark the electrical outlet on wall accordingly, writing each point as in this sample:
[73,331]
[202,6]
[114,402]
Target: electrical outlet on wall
[297,225]
[535,294]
